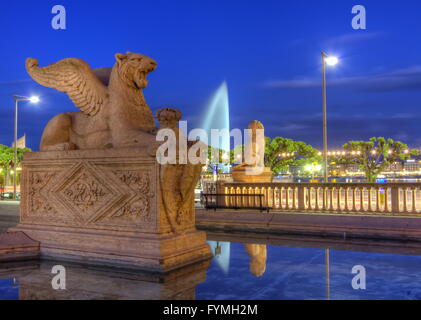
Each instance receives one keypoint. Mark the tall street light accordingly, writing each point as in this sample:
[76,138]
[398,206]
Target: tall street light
[330,61]
[18,98]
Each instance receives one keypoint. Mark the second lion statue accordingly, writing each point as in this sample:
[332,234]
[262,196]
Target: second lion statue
[113,111]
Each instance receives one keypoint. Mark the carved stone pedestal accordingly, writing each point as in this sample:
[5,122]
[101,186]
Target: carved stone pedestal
[247,174]
[108,207]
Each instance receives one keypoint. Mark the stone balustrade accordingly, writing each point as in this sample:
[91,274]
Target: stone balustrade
[367,198]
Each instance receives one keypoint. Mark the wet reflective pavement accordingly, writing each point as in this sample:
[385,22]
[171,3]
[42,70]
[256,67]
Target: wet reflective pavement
[242,268]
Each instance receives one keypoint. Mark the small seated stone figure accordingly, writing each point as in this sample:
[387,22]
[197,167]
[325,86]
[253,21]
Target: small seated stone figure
[252,168]
[168,118]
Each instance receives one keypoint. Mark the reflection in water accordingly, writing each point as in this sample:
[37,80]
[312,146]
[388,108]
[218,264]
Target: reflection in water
[9,289]
[294,272]
[32,281]
[270,270]
[257,253]
[258,256]
[221,254]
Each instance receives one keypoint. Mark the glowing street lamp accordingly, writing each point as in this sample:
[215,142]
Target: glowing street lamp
[330,61]
[17,98]
[34,99]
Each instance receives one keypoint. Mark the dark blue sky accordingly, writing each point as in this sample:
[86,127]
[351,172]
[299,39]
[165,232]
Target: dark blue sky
[267,51]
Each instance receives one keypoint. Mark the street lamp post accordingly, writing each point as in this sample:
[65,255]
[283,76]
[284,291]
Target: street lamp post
[18,98]
[331,61]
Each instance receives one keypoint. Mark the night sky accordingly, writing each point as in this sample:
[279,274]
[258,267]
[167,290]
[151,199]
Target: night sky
[267,51]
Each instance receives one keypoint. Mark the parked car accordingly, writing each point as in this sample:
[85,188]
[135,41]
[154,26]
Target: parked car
[9,196]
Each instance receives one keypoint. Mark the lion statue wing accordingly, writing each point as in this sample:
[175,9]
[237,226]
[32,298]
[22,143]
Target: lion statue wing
[74,77]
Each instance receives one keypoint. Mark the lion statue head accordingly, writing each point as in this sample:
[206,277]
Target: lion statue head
[133,68]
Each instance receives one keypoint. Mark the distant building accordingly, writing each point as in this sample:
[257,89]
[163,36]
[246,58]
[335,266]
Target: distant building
[411,166]
[21,142]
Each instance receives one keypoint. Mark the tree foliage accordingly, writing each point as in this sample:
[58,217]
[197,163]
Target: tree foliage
[7,159]
[217,156]
[237,154]
[375,155]
[281,153]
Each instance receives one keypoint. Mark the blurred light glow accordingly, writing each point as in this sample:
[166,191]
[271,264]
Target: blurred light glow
[34,99]
[331,61]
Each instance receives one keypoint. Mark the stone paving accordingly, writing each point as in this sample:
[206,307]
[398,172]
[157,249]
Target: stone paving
[9,214]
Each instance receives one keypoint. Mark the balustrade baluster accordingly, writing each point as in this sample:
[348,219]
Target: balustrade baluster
[280,198]
[266,196]
[301,205]
[354,199]
[379,206]
[387,207]
[237,199]
[294,194]
[370,199]
[338,199]
[275,198]
[310,200]
[414,199]
[395,199]
[405,200]
[331,190]
[347,199]
[324,189]
[362,207]
[286,191]
[290,198]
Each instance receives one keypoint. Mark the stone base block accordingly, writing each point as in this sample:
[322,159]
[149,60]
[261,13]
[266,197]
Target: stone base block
[119,249]
[17,246]
[245,174]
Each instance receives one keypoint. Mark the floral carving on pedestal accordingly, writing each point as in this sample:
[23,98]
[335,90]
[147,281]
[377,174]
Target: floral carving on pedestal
[140,207]
[85,192]
[37,183]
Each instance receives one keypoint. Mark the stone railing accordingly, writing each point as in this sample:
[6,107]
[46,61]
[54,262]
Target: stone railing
[388,198]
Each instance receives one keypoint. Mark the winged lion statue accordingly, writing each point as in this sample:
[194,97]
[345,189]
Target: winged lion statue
[113,111]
